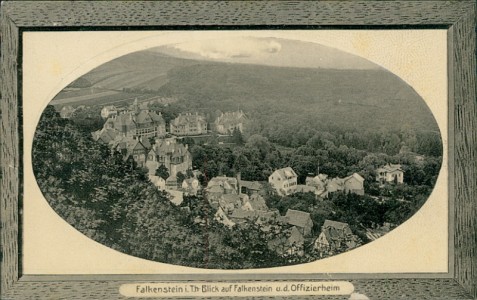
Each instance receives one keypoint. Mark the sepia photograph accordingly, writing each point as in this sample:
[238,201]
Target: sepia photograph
[176,149]
[237,153]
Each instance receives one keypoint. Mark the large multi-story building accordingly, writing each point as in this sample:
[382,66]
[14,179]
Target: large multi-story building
[174,156]
[137,123]
[188,124]
[227,122]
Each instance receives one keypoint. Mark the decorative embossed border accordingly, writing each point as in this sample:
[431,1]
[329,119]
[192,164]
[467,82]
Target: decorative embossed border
[459,18]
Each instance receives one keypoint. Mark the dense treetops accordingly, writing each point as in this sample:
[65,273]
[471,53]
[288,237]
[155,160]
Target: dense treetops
[111,200]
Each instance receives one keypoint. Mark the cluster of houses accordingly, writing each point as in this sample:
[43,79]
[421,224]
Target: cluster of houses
[284,181]
[141,135]
[131,131]
[237,201]
[138,121]
[185,124]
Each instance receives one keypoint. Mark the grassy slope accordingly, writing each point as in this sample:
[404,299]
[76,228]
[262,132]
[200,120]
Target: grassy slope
[351,98]
[135,70]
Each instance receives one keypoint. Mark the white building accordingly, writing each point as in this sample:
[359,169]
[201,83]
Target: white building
[284,181]
[109,111]
[390,173]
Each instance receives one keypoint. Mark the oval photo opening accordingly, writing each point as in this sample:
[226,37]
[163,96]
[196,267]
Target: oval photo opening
[237,153]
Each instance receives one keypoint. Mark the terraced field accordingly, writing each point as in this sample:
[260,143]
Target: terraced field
[101,97]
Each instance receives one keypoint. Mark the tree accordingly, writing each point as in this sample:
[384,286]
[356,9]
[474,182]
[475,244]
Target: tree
[162,172]
[180,177]
[237,137]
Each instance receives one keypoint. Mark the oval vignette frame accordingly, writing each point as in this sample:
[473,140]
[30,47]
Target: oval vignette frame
[457,17]
[358,63]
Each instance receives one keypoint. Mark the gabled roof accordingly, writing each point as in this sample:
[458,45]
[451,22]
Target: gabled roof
[295,236]
[297,218]
[229,118]
[169,147]
[286,172]
[105,135]
[251,185]
[157,117]
[123,120]
[230,198]
[258,203]
[109,107]
[336,182]
[215,189]
[221,180]
[335,224]
[143,117]
[390,168]
[265,216]
[184,119]
[355,176]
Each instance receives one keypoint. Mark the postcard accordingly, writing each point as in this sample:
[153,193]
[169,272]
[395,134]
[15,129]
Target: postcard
[236,154]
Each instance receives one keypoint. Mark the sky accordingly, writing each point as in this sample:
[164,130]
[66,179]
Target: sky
[266,51]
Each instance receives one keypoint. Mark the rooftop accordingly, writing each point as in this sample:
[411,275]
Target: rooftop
[297,218]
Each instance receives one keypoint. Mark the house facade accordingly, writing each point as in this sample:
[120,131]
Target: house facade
[131,148]
[335,237]
[227,122]
[188,124]
[191,186]
[284,181]
[143,123]
[301,220]
[109,111]
[354,184]
[293,245]
[219,186]
[390,173]
[250,187]
[323,185]
[66,112]
[174,156]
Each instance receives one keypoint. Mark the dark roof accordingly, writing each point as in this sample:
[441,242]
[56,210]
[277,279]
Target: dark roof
[169,147]
[335,224]
[295,236]
[251,185]
[184,119]
[143,117]
[297,218]
[257,202]
[230,118]
[230,198]
[390,168]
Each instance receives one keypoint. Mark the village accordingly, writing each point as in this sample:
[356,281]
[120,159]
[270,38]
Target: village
[143,139]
